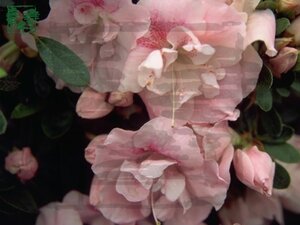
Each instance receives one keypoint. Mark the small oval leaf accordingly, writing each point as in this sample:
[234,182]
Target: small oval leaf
[63,62]
[282,178]
[22,111]
[283,152]
[3,123]
[281,25]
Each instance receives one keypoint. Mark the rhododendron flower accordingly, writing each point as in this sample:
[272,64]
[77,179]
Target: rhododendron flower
[93,104]
[100,32]
[197,66]
[22,163]
[255,169]
[252,209]
[162,170]
[284,61]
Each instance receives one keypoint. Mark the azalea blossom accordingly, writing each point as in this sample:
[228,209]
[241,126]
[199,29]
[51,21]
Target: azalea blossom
[197,66]
[160,170]
[100,32]
[22,163]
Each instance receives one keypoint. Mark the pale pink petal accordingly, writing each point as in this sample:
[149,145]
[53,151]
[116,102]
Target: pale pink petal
[131,188]
[150,68]
[133,168]
[86,13]
[92,104]
[90,151]
[251,66]
[152,168]
[194,216]
[174,185]
[264,168]
[164,209]
[264,32]
[130,82]
[116,208]
[243,168]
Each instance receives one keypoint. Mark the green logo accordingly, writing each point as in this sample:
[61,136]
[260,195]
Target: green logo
[25,22]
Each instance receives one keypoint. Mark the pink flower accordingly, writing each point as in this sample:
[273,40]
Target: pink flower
[93,104]
[284,61]
[293,29]
[100,32]
[162,170]
[22,163]
[253,209]
[255,169]
[197,66]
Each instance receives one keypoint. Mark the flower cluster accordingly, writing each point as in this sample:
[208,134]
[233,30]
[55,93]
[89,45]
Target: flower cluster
[191,63]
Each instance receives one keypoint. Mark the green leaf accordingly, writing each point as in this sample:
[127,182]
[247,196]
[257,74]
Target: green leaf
[283,92]
[281,25]
[57,124]
[296,84]
[271,122]
[269,4]
[3,123]
[63,62]
[22,111]
[286,134]
[283,152]
[282,178]
[19,199]
[264,98]
[3,73]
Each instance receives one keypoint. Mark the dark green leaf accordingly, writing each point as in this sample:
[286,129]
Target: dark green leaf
[63,62]
[3,123]
[286,134]
[264,98]
[56,125]
[22,111]
[269,4]
[271,122]
[281,25]
[19,199]
[283,92]
[296,85]
[283,152]
[282,178]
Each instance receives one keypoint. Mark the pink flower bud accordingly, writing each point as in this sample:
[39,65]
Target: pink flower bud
[284,61]
[121,99]
[22,163]
[90,151]
[255,169]
[92,104]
